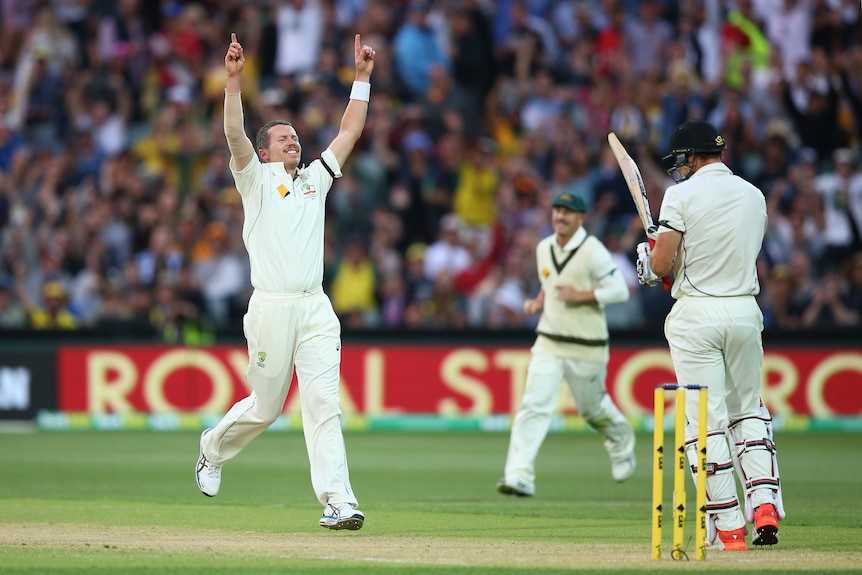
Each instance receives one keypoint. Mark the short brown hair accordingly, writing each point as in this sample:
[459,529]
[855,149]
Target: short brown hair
[261,141]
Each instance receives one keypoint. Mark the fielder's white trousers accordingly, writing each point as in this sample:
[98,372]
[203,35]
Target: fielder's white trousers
[586,380]
[284,332]
[716,342]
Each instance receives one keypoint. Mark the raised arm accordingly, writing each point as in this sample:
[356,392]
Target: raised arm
[241,148]
[353,120]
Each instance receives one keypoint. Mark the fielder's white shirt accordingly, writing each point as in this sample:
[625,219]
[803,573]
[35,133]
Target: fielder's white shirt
[722,219]
[585,264]
[284,223]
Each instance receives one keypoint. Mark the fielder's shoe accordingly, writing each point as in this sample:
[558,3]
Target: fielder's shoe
[341,516]
[207,475]
[765,525]
[622,469]
[518,488]
[731,540]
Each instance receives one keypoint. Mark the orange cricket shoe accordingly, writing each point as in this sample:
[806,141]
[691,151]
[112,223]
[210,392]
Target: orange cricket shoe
[765,525]
[733,540]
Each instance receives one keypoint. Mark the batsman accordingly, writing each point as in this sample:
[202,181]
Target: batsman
[710,230]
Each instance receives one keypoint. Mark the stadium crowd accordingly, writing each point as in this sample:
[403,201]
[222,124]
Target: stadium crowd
[118,210]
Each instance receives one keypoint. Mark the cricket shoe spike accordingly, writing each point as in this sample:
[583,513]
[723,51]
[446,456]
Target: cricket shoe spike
[765,525]
[339,516]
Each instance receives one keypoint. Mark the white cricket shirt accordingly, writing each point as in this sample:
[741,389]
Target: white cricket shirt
[585,264]
[722,219]
[284,223]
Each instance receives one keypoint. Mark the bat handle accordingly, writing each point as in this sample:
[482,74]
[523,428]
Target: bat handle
[665,281]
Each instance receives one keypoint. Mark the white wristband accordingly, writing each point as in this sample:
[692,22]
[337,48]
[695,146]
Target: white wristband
[361,91]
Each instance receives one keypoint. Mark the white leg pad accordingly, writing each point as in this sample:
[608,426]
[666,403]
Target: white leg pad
[722,504]
[754,458]
[779,499]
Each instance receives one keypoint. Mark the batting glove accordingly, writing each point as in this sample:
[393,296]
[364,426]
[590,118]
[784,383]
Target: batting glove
[646,276]
[652,232]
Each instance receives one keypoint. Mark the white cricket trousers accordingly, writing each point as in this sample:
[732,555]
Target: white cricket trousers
[586,380]
[284,332]
[716,342]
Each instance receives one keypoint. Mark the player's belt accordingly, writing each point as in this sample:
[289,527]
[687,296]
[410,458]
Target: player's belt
[577,340]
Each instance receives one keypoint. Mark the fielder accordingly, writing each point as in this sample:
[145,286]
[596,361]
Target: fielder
[578,278]
[710,230]
[290,322]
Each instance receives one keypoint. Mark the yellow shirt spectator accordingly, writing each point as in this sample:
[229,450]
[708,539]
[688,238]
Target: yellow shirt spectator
[54,314]
[475,195]
[354,286]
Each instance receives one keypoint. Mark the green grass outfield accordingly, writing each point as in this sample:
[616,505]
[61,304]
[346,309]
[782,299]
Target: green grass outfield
[126,503]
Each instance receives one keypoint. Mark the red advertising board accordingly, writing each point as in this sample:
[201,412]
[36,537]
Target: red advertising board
[405,379]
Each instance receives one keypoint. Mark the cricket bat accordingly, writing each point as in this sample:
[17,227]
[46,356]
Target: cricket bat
[635,183]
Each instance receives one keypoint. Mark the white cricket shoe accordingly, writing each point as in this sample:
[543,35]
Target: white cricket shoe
[207,475]
[341,516]
[518,488]
[622,469]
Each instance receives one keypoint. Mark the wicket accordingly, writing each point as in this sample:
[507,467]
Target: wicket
[678,551]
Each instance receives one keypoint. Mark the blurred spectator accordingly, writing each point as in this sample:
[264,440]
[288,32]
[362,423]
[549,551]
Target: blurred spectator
[841,196]
[613,204]
[393,301]
[789,31]
[812,102]
[221,274]
[827,308]
[417,49]
[54,312]
[507,300]
[124,34]
[852,297]
[176,319]
[472,63]
[699,30]
[86,286]
[517,29]
[620,243]
[160,256]
[780,311]
[12,315]
[609,41]
[418,286]
[647,35]
[745,47]
[443,307]
[291,43]
[474,197]
[129,315]
[446,254]
[11,141]
[542,106]
[16,17]
[354,285]
[47,53]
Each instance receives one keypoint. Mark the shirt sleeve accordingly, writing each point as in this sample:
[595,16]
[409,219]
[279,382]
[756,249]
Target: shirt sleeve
[611,285]
[670,216]
[330,163]
[241,148]
[328,169]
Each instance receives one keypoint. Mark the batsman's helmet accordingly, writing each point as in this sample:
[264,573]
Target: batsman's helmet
[690,138]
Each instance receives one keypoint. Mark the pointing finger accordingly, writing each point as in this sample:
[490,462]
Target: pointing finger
[233,37]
